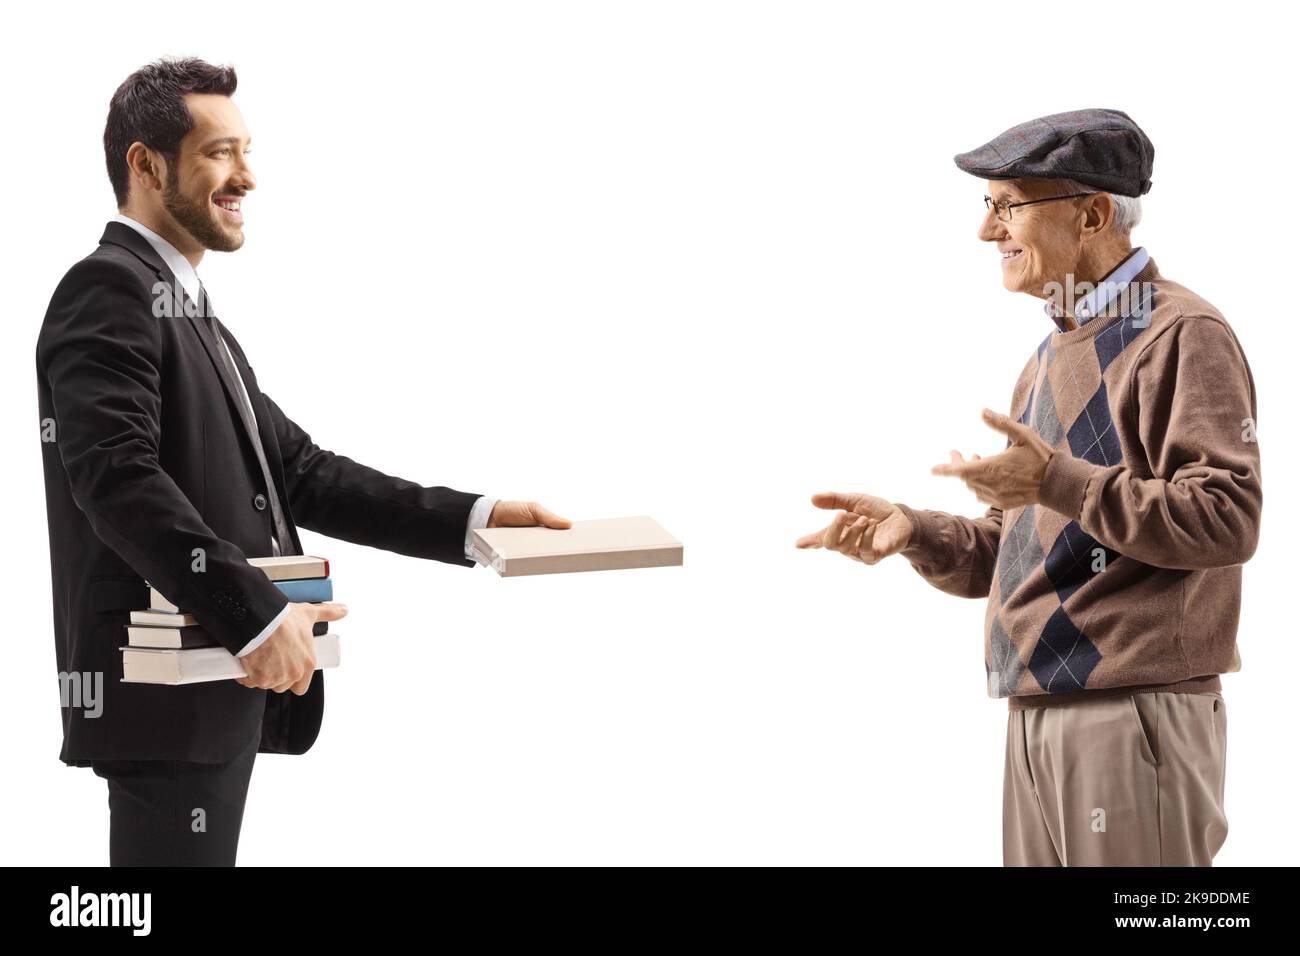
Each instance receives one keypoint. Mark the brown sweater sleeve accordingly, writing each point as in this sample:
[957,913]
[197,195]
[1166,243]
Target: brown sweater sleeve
[1190,495]
[957,555]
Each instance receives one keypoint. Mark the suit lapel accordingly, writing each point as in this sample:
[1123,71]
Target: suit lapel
[212,347]
[265,430]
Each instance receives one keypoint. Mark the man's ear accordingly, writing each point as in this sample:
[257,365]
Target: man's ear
[146,166]
[1098,213]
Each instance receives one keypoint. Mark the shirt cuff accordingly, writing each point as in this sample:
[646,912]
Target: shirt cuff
[1065,481]
[267,631]
[478,518]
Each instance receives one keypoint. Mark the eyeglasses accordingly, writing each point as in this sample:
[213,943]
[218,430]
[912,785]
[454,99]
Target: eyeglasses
[1003,209]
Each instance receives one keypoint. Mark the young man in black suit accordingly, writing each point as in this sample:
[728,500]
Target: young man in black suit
[165,462]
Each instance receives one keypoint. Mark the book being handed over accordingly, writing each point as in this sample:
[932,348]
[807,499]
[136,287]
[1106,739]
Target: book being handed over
[606,544]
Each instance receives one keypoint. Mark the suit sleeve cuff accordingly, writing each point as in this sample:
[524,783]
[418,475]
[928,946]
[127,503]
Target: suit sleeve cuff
[267,631]
[1065,481]
[478,518]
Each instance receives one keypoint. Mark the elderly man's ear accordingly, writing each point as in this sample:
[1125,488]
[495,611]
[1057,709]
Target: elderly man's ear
[1098,214]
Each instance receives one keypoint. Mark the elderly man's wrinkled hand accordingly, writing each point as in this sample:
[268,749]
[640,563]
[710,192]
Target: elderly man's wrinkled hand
[867,528]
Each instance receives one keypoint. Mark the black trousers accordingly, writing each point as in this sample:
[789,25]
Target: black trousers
[176,813]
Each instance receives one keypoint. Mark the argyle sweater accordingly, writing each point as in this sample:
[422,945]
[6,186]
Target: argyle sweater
[1127,574]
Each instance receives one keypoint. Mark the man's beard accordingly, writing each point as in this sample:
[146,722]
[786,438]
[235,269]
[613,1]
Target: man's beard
[196,218]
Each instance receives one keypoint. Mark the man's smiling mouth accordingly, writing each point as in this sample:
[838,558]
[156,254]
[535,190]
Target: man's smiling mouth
[230,207]
[1009,254]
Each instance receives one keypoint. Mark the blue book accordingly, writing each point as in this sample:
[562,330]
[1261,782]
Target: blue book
[307,590]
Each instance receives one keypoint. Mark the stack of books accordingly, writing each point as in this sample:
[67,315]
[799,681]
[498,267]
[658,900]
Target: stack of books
[166,645]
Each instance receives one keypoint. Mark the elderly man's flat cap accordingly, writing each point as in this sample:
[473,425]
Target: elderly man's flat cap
[1103,148]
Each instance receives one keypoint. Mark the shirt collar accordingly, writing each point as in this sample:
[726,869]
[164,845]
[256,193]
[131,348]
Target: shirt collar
[1105,292]
[180,266]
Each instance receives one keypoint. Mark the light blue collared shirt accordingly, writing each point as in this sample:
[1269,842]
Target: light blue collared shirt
[189,280]
[1100,298]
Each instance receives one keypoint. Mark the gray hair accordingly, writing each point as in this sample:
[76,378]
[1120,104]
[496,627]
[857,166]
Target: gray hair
[1128,209]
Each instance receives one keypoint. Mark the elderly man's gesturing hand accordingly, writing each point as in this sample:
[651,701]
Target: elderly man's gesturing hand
[866,529]
[1010,479]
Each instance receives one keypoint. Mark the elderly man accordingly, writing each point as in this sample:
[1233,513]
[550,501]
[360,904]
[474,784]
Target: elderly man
[1119,514]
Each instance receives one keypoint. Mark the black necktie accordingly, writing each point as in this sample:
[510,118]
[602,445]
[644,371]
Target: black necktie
[283,542]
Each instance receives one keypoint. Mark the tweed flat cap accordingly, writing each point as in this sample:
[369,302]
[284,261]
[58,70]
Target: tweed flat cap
[1103,148]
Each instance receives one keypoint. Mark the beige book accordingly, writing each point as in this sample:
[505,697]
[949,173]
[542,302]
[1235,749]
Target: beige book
[606,544]
[292,567]
[162,619]
[148,665]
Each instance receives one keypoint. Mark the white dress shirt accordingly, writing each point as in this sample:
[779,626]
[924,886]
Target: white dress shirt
[189,280]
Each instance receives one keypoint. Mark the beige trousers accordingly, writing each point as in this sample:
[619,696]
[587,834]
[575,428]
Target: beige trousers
[1134,780]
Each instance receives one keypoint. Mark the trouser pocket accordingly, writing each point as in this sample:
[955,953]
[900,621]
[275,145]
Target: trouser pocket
[1020,745]
[1146,724]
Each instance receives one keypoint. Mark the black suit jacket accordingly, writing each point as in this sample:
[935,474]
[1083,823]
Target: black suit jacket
[150,460]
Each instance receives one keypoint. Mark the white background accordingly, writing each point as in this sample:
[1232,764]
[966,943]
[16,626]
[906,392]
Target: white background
[692,260]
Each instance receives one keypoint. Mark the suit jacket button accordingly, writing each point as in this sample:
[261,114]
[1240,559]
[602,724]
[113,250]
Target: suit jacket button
[259,502]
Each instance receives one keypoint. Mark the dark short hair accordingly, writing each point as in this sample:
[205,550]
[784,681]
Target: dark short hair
[149,107]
